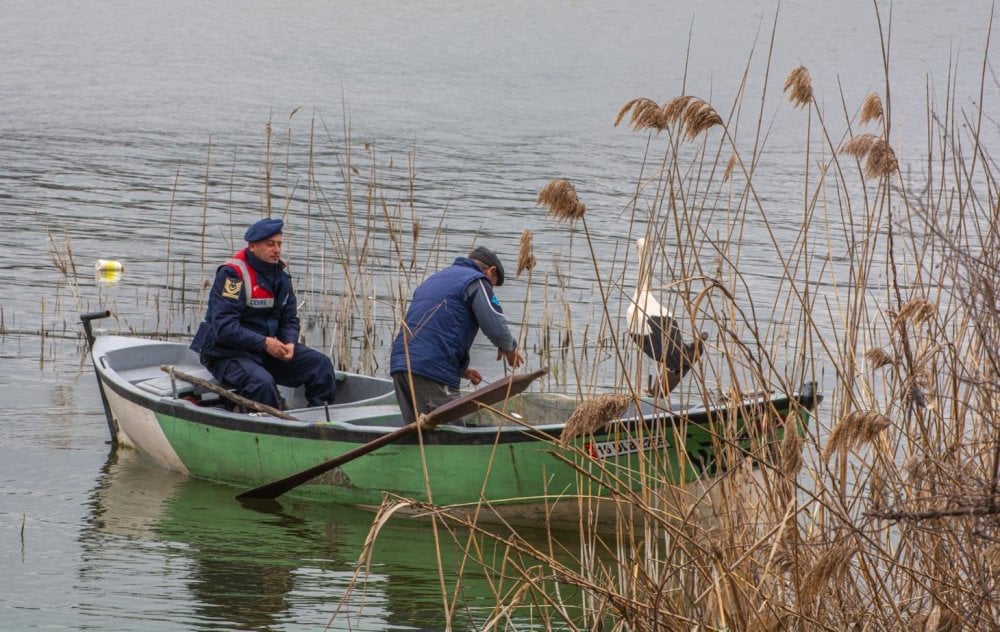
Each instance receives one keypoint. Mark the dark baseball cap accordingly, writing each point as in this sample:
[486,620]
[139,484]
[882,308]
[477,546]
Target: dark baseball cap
[490,259]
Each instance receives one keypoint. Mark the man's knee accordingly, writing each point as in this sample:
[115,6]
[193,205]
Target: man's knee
[315,371]
[250,379]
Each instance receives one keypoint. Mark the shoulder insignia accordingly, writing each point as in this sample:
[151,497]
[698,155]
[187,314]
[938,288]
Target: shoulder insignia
[496,302]
[232,289]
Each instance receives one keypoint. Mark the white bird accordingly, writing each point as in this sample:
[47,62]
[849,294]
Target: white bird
[654,329]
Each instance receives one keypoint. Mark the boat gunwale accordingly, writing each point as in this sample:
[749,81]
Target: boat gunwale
[446,434]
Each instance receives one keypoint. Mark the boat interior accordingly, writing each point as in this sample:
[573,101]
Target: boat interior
[141,367]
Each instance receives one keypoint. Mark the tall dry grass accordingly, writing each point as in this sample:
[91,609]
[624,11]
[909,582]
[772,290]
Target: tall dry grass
[884,516]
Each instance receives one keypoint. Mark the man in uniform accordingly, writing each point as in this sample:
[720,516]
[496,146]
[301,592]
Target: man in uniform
[249,336]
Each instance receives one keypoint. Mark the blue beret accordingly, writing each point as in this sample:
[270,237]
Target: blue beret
[262,229]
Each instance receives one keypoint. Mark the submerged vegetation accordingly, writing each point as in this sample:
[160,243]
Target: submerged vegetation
[882,287]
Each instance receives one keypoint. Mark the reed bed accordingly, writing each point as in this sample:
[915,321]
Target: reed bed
[881,514]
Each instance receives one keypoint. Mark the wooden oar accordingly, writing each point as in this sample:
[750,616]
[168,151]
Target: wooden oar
[233,397]
[455,409]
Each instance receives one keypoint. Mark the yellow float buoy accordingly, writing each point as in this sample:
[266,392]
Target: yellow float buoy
[108,271]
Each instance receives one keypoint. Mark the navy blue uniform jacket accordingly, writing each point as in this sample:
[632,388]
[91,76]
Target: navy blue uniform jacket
[237,326]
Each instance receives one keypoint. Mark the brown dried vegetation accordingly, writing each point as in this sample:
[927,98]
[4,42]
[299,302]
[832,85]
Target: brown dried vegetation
[798,85]
[871,108]
[881,159]
[693,115]
[526,256]
[593,414]
[561,199]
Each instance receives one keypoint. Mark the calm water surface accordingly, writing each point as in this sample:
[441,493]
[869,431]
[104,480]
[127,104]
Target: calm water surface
[111,112]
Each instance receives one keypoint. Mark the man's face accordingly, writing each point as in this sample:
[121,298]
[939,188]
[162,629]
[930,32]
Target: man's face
[491,274]
[268,250]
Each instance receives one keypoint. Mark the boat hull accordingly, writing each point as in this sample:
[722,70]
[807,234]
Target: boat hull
[491,458]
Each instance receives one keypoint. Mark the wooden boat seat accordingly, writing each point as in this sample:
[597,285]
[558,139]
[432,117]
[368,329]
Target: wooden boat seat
[163,387]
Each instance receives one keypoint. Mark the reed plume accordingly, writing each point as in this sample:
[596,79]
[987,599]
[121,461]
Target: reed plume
[641,109]
[729,167]
[831,567]
[798,84]
[871,108]
[853,430]
[917,311]
[526,257]
[593,414]
[791,453]
[675,108]
[786,551]
[859,146]
[560,197]
[879,358]
[694,115]
[881,159]
[698,117]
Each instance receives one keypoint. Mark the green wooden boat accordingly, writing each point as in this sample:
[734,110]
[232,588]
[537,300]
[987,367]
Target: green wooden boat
[514,460]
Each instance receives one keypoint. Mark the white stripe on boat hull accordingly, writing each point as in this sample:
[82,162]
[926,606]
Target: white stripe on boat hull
[138,428]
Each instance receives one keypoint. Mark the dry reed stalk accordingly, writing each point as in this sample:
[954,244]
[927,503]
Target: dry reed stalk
[730,164]
[879,358]
[526,256]
[798,84]
[561,199]
[859,146]
[786,550]
[853,430]
[693,114]
[791,453]
[871,109]
[830,568]
[881,159]
[918,311]
[593,414]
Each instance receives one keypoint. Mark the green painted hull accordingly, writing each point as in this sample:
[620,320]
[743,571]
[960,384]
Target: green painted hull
[498,465]
[487,457]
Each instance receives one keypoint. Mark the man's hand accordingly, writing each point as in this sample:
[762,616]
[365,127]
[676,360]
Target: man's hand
[277,349]
[473,376]
[513,358]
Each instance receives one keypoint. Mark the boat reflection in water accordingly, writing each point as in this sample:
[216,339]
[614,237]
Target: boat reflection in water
[182,552]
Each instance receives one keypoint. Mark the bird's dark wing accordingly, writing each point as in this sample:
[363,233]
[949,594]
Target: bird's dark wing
[664,343]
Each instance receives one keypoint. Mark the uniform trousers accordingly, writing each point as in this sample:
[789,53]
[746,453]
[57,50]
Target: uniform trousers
[257,377]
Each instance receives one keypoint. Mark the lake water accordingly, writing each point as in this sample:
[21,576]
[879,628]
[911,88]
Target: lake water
[111,114]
